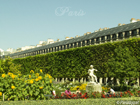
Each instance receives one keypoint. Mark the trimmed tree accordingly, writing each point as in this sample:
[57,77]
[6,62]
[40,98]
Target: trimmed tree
[8,66]
[123,65]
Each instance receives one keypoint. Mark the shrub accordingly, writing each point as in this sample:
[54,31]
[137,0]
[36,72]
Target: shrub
[33,85]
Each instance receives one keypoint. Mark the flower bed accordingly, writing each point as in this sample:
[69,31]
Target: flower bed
[72,96]
[35,86]
[98,95]
[32,86]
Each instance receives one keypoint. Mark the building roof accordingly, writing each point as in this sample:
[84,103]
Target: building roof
[1,50]
[115,30]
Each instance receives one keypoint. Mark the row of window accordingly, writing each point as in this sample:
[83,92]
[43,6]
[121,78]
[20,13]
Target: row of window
[82,43]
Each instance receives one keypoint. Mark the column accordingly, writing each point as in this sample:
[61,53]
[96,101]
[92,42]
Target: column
[73,45]
[130,33]
[111,38]
[62,47]
[105,39]
[95,41]
[100,40]
[59,48]
[137,32]
[69,45]
[77,44]
[66,46]
[53,49]
[116,36]
[101,80]
[123,33]
[73,80]
[90,42]
[85,43]
[48,50]
[81,43]
[45,50]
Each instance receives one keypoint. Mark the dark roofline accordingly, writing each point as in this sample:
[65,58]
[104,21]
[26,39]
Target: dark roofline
[114,30]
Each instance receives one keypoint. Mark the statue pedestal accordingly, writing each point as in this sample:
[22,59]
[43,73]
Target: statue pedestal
[93,87]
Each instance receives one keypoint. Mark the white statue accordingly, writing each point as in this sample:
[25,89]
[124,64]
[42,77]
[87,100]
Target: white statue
[91,74]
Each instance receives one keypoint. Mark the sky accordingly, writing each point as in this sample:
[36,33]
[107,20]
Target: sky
[26,22]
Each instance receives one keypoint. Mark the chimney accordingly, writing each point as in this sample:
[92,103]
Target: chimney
[88,32]
[85,33]
[67,38]
[100,29]
[133,20]
[119,24]
[76,36]
[105,28]
[58,40]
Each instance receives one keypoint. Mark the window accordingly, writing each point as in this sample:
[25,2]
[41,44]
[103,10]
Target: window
[92,41]
[83,43]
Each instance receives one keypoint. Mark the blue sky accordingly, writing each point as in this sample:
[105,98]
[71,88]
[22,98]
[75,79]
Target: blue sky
[26,22]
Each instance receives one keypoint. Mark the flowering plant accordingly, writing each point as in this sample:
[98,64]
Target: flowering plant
[81,87]
[33,85]
[72,96]
[127,94]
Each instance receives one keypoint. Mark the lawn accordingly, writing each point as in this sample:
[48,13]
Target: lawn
[101,101]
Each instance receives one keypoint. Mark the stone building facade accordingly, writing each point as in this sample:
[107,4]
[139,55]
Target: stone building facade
[118,33]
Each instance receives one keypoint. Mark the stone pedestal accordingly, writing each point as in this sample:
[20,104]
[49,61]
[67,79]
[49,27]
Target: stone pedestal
[93,87]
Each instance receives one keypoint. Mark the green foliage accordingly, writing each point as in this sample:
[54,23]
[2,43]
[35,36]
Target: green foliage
[8,66]
[1,69]
[123,64]
[18,87]
[75,62]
